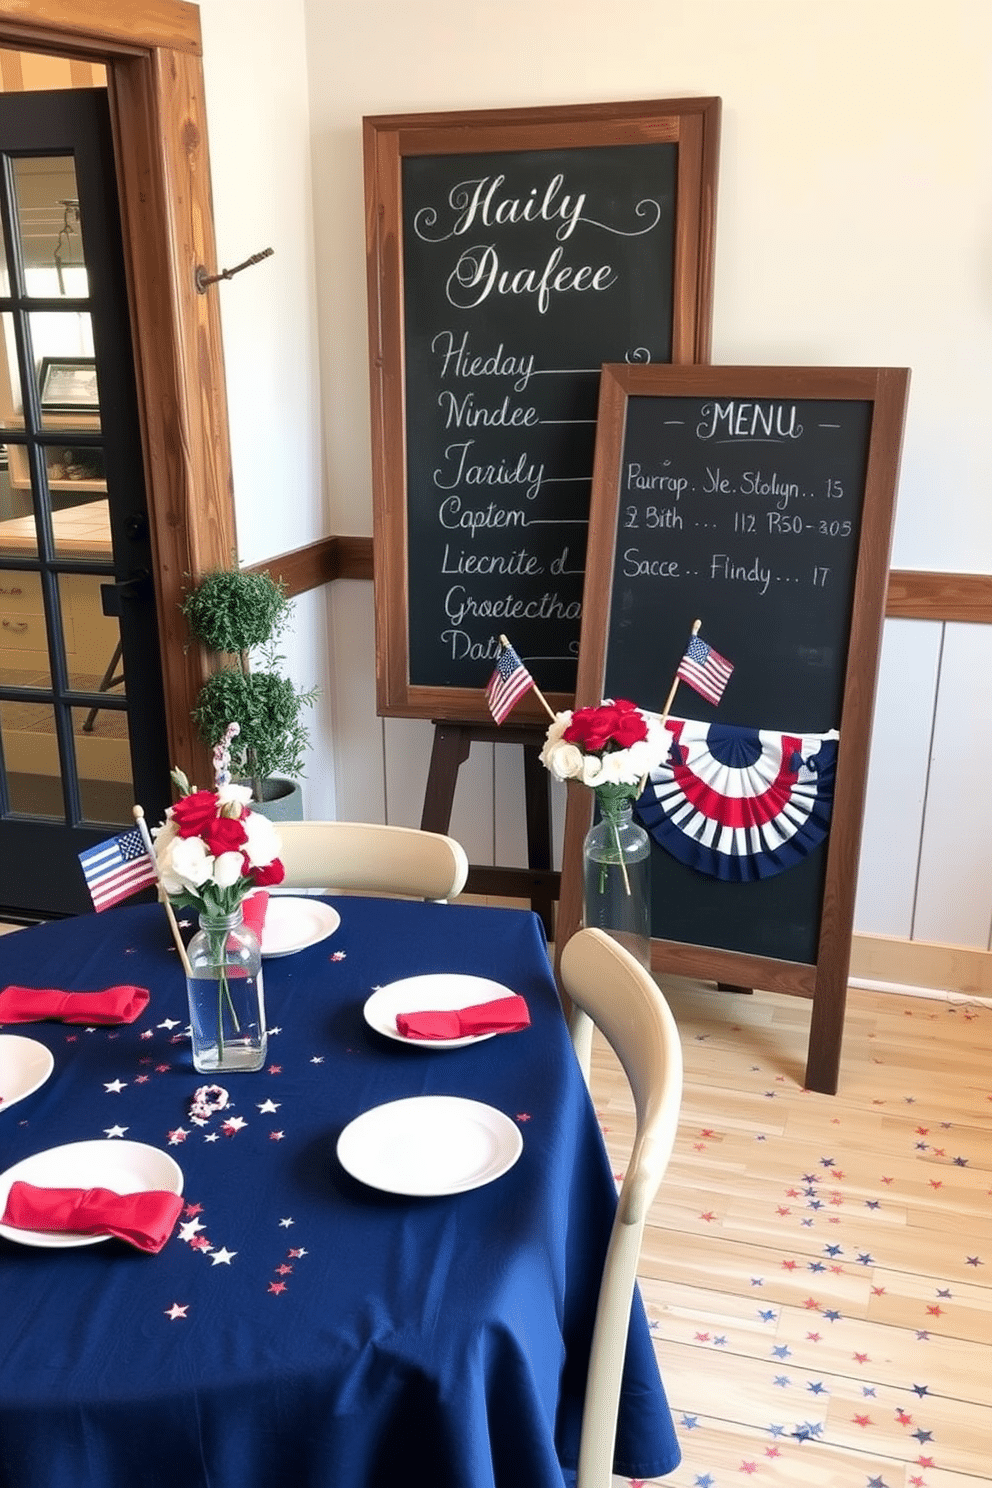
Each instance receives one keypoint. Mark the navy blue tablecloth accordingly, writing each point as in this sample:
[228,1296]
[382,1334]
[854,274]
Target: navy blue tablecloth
[299,1327]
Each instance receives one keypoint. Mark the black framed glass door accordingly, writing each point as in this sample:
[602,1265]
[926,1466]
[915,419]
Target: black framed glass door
[82,725]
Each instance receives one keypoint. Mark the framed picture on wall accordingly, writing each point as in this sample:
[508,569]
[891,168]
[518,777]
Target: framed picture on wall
[68,384]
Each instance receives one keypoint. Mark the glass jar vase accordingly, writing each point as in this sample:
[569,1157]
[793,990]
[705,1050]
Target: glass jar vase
[616,878]
[226,1002]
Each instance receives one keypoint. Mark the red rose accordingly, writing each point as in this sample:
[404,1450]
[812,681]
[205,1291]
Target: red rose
[224,834]
[590,728]
[272,873]
[595,729]
[192,813]
[629,727]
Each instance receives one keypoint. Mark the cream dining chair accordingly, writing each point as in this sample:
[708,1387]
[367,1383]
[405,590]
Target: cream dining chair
[367,857]
[608,988]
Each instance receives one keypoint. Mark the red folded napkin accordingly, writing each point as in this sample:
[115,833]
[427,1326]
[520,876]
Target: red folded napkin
[143,1219]
[253,911]
[504,1015]
[112,1005]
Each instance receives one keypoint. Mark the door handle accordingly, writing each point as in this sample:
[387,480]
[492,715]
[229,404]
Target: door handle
[112,596]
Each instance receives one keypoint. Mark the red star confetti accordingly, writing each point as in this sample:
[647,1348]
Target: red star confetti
[277,1287]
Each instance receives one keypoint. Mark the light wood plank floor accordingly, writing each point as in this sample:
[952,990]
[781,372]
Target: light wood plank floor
[817,1270]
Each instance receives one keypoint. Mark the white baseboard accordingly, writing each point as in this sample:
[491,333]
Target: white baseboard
[921,968]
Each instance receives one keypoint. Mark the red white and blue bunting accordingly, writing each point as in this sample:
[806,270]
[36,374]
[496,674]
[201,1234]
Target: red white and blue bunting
[740,804]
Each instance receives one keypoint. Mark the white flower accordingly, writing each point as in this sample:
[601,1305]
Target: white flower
[556,728]
[185,865]
[164,834]
[228,793]
[563,759]
[227,869]
[263,839]
[593,772]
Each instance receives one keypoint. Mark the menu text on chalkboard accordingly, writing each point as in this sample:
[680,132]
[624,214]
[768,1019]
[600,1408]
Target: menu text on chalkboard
[511,254]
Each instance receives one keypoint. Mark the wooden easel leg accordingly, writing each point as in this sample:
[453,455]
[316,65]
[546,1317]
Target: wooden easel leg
[450,750]
[537,789]
[826,1030]
[452,743]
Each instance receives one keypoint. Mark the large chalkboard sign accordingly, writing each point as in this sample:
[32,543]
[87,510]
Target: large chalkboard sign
[510,254]
[760,501]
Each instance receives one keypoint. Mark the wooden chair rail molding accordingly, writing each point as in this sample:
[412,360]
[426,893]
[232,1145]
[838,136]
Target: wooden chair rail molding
[912,594]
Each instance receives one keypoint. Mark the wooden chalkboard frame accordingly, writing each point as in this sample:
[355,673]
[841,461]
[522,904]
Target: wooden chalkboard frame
[885,391]
[692,124]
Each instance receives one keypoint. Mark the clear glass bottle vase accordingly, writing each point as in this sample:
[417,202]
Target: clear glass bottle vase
[226,1001]
[616,879]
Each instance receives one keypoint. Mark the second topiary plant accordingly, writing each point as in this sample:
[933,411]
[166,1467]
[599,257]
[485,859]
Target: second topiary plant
[238,614]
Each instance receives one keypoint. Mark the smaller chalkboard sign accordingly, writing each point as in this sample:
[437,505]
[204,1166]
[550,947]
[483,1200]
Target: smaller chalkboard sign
[759,500]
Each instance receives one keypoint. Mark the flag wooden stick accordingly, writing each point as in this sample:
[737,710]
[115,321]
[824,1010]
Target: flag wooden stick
[669,700]
[536,690]
[139,817]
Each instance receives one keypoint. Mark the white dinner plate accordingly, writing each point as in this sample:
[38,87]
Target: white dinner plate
[24,1066]
[125,1167]
[429,1144]
[437,992]
[293,924]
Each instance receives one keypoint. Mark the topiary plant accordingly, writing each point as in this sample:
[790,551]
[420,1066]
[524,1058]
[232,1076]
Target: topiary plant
[238,613]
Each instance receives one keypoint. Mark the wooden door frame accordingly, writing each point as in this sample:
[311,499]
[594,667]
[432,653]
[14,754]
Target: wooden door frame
[152,51]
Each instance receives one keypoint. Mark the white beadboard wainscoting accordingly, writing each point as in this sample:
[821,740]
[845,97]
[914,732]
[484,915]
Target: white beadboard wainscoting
[923,912]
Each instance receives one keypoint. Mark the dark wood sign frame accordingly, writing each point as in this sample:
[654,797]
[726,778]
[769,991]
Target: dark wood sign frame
[692,125]
[884,391]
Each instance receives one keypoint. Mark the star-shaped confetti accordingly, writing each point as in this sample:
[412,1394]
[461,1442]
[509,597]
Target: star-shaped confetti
[175,1311]
[222,1257]
[114,1131]
[114,1087]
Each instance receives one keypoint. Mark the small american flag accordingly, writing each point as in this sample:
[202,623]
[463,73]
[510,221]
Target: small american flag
[508,683]
[705,669]
[117,869]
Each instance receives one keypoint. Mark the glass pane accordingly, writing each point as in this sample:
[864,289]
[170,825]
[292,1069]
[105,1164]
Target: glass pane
[62,345]
[11,400]
[103,759]
[81,524]
[92,639]
[31,755]
[50,226]
[18,535]
[23,641]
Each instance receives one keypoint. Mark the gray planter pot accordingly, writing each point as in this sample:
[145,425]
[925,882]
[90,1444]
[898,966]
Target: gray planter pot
[282,800]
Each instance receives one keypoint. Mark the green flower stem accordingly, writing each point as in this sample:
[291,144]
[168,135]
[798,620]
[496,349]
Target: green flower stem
[612,799]
[218,941]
